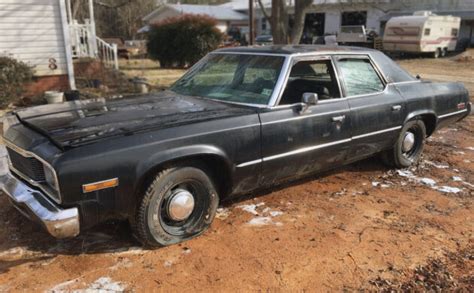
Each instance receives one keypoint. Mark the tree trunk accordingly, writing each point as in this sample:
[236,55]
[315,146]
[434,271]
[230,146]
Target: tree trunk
[301,7]
[279,22]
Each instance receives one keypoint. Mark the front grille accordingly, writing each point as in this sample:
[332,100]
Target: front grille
[28,166]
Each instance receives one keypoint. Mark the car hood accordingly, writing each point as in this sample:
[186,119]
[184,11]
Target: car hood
[82,122]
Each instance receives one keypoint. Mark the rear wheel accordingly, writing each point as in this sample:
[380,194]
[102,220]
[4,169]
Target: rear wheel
[179,204]
[444,52]
[409,146]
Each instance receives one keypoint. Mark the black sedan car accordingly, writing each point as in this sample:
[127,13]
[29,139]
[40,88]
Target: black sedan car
[239,120]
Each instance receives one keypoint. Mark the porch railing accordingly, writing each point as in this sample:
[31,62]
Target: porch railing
[86,44]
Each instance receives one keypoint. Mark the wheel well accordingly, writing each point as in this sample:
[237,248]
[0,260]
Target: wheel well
[214,166]
[430,123]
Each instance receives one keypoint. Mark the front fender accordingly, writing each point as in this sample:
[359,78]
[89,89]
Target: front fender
[151,163]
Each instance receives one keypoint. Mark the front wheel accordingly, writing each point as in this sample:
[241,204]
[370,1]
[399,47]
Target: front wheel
[436,53]
[178,205]
[409,146]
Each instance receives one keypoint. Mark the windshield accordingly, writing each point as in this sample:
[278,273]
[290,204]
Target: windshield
[232,77]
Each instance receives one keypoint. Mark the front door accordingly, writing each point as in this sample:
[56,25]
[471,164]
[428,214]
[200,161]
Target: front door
[297,141]
[377,108]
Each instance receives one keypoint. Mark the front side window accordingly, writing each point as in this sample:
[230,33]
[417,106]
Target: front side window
[359,76]
[312,76]
[232,77]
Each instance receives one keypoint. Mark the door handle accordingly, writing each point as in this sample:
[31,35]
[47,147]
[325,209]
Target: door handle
[338,118]
[396,108]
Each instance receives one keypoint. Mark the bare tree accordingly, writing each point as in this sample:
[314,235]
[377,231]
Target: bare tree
[121,18]
[279,20]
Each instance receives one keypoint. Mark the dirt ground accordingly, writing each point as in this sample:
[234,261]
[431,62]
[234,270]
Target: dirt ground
[363,226]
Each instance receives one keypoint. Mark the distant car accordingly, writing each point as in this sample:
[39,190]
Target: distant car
[264,40]
[239,120]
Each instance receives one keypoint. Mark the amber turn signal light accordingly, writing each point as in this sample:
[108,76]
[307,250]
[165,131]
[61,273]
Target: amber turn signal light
[100,185]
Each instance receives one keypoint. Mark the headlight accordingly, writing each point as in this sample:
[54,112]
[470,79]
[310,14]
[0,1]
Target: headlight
[50,177]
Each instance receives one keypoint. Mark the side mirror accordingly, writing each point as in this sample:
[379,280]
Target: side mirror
[310,98]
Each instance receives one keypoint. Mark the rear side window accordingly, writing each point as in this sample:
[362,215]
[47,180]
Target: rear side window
[359,76]
[454,32]
[427,32]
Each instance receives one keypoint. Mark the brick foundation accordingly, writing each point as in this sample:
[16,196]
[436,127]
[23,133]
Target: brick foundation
[47,83]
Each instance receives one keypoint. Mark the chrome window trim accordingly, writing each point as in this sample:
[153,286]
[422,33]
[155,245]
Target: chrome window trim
[452,114]
[315,147]
[38,184]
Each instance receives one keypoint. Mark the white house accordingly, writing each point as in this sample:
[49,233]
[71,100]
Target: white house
[36,32]
[43,34]
[225,16]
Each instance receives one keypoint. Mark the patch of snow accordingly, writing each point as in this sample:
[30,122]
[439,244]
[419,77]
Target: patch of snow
[466,161]
[260,221]
[448,189]
[187,250]
[375,183]
[105,284]
[276,213]
[168,263]
[251,208]
[428,181]
[470,148]
[459,153]
[439,166]
[222,213]
[457,178]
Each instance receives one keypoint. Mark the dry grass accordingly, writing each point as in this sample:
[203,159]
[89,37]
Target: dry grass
[149,69]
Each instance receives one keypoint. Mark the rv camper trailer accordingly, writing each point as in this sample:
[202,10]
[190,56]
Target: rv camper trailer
[422,32]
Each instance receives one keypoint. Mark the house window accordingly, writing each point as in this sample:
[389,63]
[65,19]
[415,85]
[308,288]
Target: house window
[454,32]
[354,18]
[264,24]
[427,32]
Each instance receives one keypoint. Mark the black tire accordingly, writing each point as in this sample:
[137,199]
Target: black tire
[444,52]
[398,156]
[154,227]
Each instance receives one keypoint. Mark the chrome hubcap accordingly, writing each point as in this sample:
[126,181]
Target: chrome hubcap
[408,142]
[181,205]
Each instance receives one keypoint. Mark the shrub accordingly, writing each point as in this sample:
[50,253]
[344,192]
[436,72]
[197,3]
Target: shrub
[181,41]
[14,75]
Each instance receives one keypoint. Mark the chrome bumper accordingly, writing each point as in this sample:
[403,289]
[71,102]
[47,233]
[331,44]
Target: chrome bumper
[60,223]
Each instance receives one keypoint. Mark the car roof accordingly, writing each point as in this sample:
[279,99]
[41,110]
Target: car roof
[294,49]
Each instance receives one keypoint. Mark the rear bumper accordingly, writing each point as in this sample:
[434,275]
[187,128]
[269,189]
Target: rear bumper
[60,223]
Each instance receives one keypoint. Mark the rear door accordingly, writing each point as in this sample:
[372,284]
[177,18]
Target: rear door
[377,109]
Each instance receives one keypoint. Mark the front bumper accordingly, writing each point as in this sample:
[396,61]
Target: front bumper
[60,223]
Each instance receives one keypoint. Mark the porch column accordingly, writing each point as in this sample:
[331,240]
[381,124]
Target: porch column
[92,25]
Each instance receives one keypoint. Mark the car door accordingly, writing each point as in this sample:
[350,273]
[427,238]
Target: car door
[377,108]
[296,141]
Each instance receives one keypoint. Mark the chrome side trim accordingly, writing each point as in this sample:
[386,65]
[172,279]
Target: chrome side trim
[249,163]
[315,147]
[452,114]
[28,154]
[305,116]
[376,132]
[306,149]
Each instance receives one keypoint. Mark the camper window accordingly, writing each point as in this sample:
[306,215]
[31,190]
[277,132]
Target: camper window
[454,32]
[427,31]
